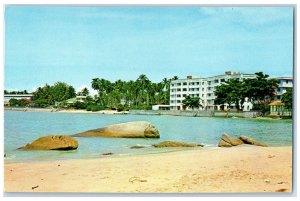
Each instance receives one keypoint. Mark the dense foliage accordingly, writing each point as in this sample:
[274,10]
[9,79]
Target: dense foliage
[18,102]
[138,94]
[191,102]
[287,98]
[48,95]
[259,91]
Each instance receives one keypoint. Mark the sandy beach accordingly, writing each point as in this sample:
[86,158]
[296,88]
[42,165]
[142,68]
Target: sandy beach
[214,170]
[72,111]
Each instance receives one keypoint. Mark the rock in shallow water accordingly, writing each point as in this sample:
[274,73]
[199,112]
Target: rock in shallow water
[176,144]
[248,140]
[136,129]
[227,141]
[51,142]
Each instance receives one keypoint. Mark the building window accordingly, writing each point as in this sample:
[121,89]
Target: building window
[173,85]
[184,89]
[222,80]
[197,95]
[184,83]
[209,82]
[209,88]
[202,89]
[178,84]
[184,95]
[216,81]
[172,101]
[209,95]
[278,89]
[178,95]
[178,89]
[202,95]
[197,83]
[178,101]
[286,81]
[197,89]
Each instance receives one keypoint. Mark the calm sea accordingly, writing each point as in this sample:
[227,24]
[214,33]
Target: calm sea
[21,128]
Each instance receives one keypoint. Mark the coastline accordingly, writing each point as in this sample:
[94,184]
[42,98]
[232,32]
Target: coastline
[72,111]
[218,114]
[248,169]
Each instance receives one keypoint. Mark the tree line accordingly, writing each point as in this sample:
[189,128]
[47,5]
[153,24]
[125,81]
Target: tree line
[259,91]
[134,94]
[142,93]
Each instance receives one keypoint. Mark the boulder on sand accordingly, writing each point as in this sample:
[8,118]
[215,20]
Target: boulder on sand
[227,141]
[248,140]
[136,129]
[176,144]
[51,142]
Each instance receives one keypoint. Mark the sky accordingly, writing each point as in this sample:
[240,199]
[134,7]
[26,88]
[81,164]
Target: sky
[46,44]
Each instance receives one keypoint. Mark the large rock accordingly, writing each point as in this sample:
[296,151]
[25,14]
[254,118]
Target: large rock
[227,141]
[51,142]
[248,140]
[137,129]
[176,144]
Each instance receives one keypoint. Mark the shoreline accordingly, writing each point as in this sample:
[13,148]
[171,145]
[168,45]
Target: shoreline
[142,112]
[71,111]
[235,169]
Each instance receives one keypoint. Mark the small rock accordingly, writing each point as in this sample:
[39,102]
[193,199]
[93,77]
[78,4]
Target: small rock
[137,147]
[58,165]
[176,144]
[108,153]
[271,156]
[267,181]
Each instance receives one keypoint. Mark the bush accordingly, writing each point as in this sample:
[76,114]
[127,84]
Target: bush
[95,108]
[79,105]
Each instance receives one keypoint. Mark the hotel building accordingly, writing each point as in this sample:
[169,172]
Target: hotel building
[201,87]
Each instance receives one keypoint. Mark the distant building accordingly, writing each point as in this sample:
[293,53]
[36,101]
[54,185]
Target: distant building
[284,84]
[76,99]
[160,107]
[203,88]
[7,97]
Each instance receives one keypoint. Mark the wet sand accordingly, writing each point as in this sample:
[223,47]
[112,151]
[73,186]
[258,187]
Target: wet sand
[215,170]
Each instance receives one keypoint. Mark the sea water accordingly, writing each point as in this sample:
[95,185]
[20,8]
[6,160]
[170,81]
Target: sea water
[21,128]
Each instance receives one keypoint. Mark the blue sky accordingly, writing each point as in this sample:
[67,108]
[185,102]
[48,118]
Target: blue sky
[76,44]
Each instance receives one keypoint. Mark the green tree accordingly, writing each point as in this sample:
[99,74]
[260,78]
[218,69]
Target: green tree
[287,99]
[48,95]
[192,102]
[231,92]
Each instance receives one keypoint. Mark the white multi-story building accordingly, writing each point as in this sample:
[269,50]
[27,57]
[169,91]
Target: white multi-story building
[283,85]
[200,87]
